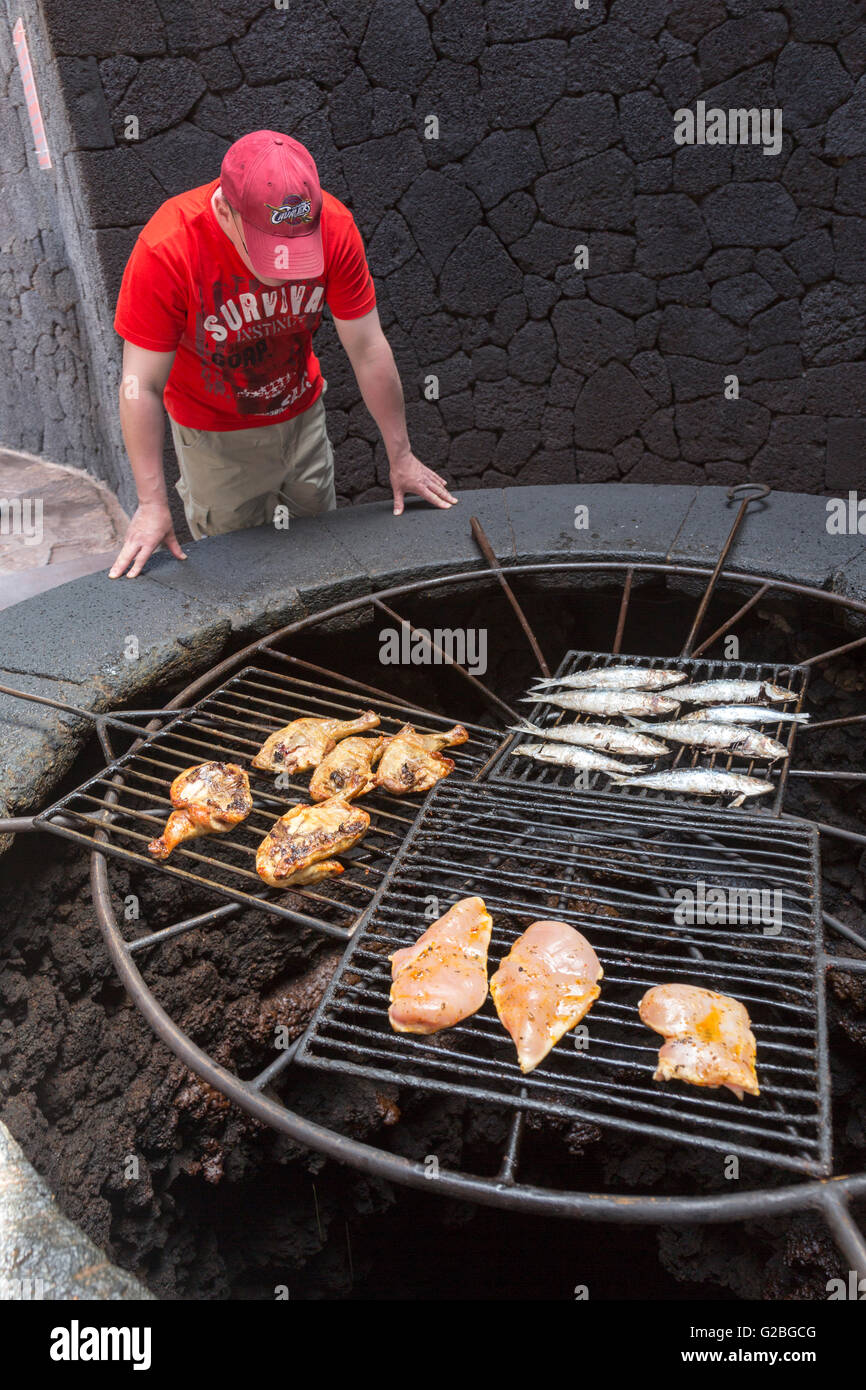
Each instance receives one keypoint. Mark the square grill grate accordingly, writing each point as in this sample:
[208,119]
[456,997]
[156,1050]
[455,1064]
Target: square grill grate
[525,772]
[126,803]
[612,873]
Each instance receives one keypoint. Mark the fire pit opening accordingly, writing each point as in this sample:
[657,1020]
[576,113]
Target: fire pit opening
[203,1200]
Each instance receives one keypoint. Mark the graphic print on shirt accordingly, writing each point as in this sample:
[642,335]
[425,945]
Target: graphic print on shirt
[248,341]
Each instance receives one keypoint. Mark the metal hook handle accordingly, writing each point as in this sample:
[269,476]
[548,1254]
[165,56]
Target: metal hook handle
[749,492]
[744,493]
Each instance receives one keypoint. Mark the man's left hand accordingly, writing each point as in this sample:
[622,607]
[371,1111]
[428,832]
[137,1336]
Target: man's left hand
[409,474]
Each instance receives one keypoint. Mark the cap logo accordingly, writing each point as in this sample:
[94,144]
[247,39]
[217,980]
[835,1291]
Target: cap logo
[298,211]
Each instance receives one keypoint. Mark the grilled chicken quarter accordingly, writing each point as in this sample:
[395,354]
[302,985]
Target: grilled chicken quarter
[209,799]
[302,745]
[412,762]
[299,846]
[347,771]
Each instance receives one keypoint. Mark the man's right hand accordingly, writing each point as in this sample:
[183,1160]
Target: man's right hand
[150,527]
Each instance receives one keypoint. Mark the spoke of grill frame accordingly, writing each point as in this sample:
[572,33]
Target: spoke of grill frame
[487,551]
[508,1168]
[828,776]
[156,938]
[845,1231]
[361,686]
[623,612]
[834,651]
[735,618]
[843,930]
[478,685]
[833,723]
[845,963]
[99,719]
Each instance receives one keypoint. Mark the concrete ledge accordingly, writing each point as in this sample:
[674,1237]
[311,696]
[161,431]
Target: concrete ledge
[72,642]
[43,1256]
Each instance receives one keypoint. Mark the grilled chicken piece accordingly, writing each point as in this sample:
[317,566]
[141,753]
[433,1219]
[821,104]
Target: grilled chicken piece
[709,1037]
[347,770]
[412,762]
[209,799]
[443,977]
[297,848]
[303,744]
[544,987]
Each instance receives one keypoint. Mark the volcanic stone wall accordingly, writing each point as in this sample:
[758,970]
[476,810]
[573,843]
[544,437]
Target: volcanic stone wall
[478,145]
[53,369]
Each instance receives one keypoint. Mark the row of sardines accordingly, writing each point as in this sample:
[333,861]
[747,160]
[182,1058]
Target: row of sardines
[213,798]
[723,717]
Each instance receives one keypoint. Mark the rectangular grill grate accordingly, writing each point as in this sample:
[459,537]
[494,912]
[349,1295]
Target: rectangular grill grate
[612,873]
[525,772]
[230,725]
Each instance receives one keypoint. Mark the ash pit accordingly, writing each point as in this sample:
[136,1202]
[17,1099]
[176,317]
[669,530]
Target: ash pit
[225,1207]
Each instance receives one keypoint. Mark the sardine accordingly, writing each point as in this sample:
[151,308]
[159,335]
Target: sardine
[608,737]
[728,692]
[614,678]
[728,738]
[610,702]
[581,759]
[701,781]
[745,714]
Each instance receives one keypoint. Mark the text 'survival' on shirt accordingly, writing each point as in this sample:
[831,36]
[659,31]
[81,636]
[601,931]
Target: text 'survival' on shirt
[244,352]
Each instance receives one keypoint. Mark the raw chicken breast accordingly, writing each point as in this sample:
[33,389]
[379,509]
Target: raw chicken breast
[443,977]
[709,1037]
[545,986]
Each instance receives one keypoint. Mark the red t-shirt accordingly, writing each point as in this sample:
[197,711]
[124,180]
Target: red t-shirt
[244,351]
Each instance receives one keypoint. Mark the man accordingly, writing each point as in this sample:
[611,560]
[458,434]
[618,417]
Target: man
[220,297]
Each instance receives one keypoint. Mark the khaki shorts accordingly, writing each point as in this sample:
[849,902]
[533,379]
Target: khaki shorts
[231,479]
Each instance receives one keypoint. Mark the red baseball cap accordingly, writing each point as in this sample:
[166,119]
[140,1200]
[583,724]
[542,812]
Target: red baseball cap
[272,182]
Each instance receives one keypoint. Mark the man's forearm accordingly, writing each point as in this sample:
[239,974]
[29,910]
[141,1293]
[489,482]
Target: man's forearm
[379,382]
[142,420]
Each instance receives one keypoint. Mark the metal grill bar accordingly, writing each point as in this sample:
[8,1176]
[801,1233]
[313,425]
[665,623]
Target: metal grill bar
[126,803]
[506,767]
[571,863]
